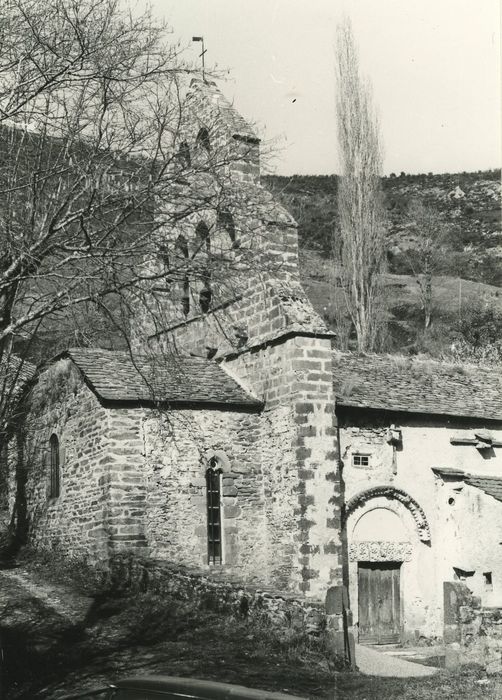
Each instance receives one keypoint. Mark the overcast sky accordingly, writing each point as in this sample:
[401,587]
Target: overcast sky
[434,66]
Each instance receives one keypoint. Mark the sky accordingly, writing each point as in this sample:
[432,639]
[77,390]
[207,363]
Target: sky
[435,68]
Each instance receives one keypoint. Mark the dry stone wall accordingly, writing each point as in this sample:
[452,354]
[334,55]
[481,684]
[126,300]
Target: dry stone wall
[231,596]
[472,633]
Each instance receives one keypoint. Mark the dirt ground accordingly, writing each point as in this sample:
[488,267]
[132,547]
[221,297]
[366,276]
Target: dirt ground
[58,641]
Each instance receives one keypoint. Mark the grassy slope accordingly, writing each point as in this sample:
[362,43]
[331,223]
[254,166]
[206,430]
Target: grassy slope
[451,297]
[471,274]
[58,642]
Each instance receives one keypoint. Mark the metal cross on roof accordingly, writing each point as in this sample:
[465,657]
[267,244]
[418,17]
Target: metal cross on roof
[201,55]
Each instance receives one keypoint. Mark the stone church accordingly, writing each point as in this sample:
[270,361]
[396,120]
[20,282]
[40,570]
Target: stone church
[235,440]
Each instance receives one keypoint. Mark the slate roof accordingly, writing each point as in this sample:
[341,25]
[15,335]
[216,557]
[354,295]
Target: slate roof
[491,485]
[115,376]
[417,386]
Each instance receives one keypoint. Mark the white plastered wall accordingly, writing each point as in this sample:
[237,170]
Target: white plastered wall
[465,533]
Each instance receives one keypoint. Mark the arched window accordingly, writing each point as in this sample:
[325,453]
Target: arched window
[203,245]
[55,476]
[182,252]
[184,155]
[203,139]
[203,237]
[226,222]
[205,297]
[163,280]
[214,533]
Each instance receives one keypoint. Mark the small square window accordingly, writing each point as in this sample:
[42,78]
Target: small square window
[487,576]
[359,460]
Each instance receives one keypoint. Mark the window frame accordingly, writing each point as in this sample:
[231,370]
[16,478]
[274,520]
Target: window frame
[181,250]
[226,222]
[361,456]
[203,139]
[55,467]
[184,155]
[215,556]
[203,246]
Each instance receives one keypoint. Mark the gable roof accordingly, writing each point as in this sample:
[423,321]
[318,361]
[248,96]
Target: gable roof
[118,376]
[491,485]
[229,116]
[417,386]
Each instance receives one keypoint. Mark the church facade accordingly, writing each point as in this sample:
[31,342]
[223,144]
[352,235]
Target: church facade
[421,454]
[235,440]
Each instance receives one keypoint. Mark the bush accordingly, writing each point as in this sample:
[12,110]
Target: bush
[479,327]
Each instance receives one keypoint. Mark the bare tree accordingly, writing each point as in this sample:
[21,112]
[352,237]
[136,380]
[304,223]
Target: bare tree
[96,175]
[425,258]
[361,247]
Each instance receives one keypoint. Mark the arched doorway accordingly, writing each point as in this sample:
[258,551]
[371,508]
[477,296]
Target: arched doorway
[379,536]
[388,539]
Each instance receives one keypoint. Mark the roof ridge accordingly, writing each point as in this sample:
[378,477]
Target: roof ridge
[417,385]
[418,359]
[119,376]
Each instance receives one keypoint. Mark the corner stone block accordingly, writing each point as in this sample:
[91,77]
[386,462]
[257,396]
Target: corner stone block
[455,596]
[336,600]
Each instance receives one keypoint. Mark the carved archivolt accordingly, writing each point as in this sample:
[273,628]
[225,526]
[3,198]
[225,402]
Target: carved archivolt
[380,551]
[423,529]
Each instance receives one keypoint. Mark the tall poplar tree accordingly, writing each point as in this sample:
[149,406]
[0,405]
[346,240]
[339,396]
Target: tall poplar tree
[360,248]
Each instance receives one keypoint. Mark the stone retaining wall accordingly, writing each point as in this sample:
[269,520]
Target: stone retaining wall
[231,596]
[472,634]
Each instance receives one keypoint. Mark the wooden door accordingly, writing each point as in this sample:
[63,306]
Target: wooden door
[379,608]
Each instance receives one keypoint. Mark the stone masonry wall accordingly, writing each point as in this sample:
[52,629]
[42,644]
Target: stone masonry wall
[232,596]
[299,454]
[177,448]
[233,144]
[272,341]
[472,634]
[72,522]
[259,298]
[133,479]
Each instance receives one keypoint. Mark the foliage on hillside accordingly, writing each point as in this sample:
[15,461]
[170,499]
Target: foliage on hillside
[468,204]
[466,290]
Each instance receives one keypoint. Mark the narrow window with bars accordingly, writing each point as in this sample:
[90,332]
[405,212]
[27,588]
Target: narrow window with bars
[214,535]
[55,476]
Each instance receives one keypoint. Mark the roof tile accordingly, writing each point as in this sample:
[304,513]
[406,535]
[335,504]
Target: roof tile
[119,376]
[417,386]
[491,485]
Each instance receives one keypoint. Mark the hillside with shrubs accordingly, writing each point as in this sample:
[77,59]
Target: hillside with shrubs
[467,281]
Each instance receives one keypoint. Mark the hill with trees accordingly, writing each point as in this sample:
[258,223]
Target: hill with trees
[467,278]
